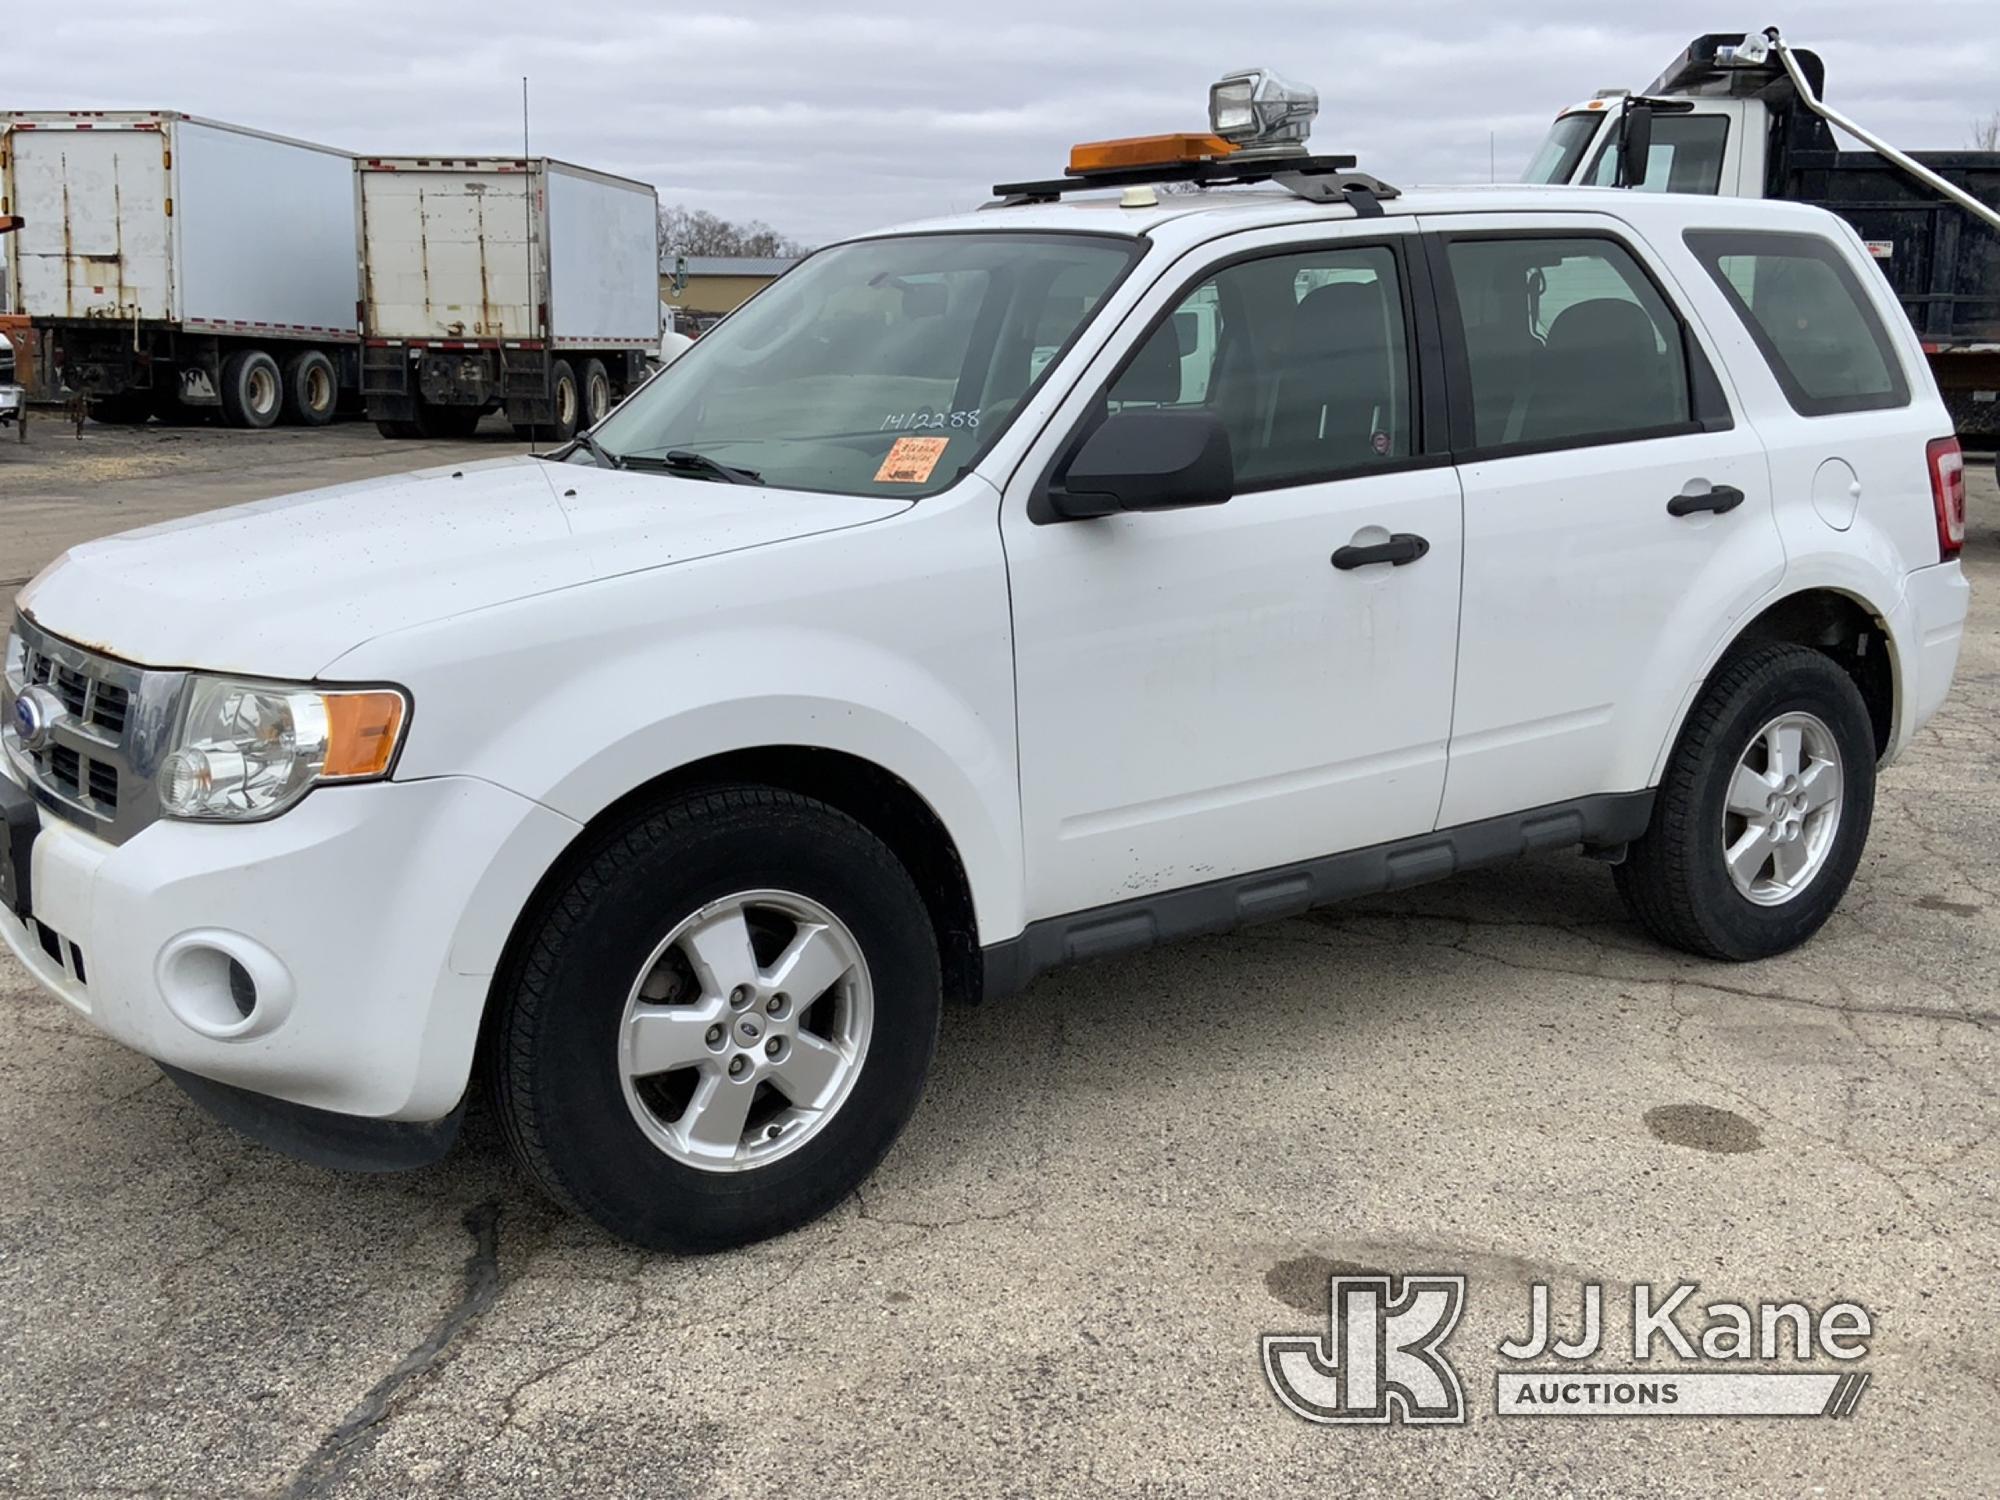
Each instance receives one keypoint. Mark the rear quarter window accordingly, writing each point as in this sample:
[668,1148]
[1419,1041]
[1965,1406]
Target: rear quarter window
[1806,310]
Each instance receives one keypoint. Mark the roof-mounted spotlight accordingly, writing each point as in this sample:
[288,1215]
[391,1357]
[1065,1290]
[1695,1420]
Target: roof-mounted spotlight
[1262,114]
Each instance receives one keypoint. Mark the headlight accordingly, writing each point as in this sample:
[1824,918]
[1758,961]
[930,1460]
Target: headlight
[251,749]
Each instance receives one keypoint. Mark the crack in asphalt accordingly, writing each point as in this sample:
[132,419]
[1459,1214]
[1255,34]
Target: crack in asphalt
[359,1431]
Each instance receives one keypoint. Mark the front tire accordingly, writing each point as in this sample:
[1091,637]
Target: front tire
[718,1023]
[1761,818]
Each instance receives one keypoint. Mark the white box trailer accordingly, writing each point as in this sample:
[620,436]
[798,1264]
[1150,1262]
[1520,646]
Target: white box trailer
[170,264]
[523,284]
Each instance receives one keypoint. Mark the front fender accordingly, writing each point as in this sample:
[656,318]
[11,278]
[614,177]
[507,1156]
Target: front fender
[889,642]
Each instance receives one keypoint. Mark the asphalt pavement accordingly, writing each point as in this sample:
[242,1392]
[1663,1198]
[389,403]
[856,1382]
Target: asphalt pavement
[1117,1183]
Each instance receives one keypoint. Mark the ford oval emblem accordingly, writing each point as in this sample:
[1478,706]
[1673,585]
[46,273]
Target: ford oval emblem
[35,714]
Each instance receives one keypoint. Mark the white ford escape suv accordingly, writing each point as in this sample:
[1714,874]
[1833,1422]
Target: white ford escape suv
[1024,586]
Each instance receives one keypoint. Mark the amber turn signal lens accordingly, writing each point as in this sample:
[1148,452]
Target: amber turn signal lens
[362,730]
[1146,151]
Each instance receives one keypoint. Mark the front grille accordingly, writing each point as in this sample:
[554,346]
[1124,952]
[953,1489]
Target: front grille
[95,764]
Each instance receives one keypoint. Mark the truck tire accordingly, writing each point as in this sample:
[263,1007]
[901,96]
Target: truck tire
[565,403]
[1762,814]
[126,409]
[447,422]
[312,389]
[253,389]
[714,1025]
[596,386]
[397,429]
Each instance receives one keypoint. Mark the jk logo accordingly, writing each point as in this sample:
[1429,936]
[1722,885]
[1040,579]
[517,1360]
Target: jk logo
[1380,1360]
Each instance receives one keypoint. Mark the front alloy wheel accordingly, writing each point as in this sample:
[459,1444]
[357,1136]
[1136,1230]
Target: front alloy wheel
[717,1019]
[745,1030]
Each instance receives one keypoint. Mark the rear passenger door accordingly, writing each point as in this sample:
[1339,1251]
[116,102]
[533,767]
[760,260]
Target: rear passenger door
[1618,516]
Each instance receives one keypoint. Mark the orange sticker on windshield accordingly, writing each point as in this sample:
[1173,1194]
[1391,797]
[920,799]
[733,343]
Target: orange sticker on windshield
[911,460]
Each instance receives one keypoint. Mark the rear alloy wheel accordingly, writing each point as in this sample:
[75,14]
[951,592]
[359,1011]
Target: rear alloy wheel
[596,383]
[312,389]
[717,1024]
[253,389]
[1759,823]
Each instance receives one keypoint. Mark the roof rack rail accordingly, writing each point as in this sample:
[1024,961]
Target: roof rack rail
[1317,179]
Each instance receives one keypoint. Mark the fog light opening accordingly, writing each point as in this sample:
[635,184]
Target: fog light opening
[224,985]
[242,989]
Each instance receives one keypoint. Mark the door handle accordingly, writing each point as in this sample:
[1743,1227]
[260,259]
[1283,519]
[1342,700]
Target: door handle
[1403,547]
[1724,497]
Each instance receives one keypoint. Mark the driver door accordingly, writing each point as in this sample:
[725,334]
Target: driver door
[1203,693]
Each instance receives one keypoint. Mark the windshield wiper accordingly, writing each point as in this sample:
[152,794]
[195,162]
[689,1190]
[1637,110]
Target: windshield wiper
[604,456]
[686,461]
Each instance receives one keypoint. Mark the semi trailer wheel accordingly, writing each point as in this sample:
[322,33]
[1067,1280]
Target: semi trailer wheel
[253,389]
[312,389]
[565,403]
[596,381]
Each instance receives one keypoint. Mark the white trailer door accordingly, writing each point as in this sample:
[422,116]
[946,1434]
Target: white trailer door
[98,240]
[446,254]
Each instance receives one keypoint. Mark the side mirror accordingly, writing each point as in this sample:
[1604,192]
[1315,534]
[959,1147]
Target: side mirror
[1635,144]
[1145,460]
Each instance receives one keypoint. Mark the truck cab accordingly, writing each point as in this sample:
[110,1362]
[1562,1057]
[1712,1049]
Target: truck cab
[1741,115]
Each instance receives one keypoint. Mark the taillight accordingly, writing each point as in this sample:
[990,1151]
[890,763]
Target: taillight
[1947,466]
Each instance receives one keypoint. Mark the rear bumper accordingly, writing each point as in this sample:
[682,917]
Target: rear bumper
[1929,627]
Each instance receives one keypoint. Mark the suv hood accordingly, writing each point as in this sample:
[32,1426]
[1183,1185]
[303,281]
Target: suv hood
[283,587]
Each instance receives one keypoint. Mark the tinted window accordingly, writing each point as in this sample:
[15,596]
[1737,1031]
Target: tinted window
[1806,310]
[1566,339]
[1303,357]
[1685,156]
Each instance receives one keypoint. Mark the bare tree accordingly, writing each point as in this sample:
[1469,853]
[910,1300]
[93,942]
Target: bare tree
[686,231]
[1986,133]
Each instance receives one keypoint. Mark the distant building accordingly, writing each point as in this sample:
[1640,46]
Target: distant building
[718,284]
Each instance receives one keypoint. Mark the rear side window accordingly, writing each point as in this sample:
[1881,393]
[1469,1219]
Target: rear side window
[1804,307]
[1567,341]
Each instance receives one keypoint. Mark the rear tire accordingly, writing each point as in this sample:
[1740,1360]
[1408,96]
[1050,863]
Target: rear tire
[253,389]
[312,389]
[609,951]
[396,429]
[565,404]
[1706,876]
[596,386]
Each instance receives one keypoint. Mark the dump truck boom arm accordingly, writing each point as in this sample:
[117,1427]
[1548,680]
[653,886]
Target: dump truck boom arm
[1908,163]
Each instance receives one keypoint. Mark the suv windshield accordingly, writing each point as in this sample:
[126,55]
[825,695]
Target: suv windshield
[1563,148]
[880,367]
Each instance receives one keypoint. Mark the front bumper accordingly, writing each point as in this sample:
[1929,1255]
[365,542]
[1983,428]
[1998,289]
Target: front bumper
[369,919]
[13,400]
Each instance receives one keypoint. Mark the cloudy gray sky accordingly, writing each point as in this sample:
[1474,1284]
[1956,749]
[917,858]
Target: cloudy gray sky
[824,119]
